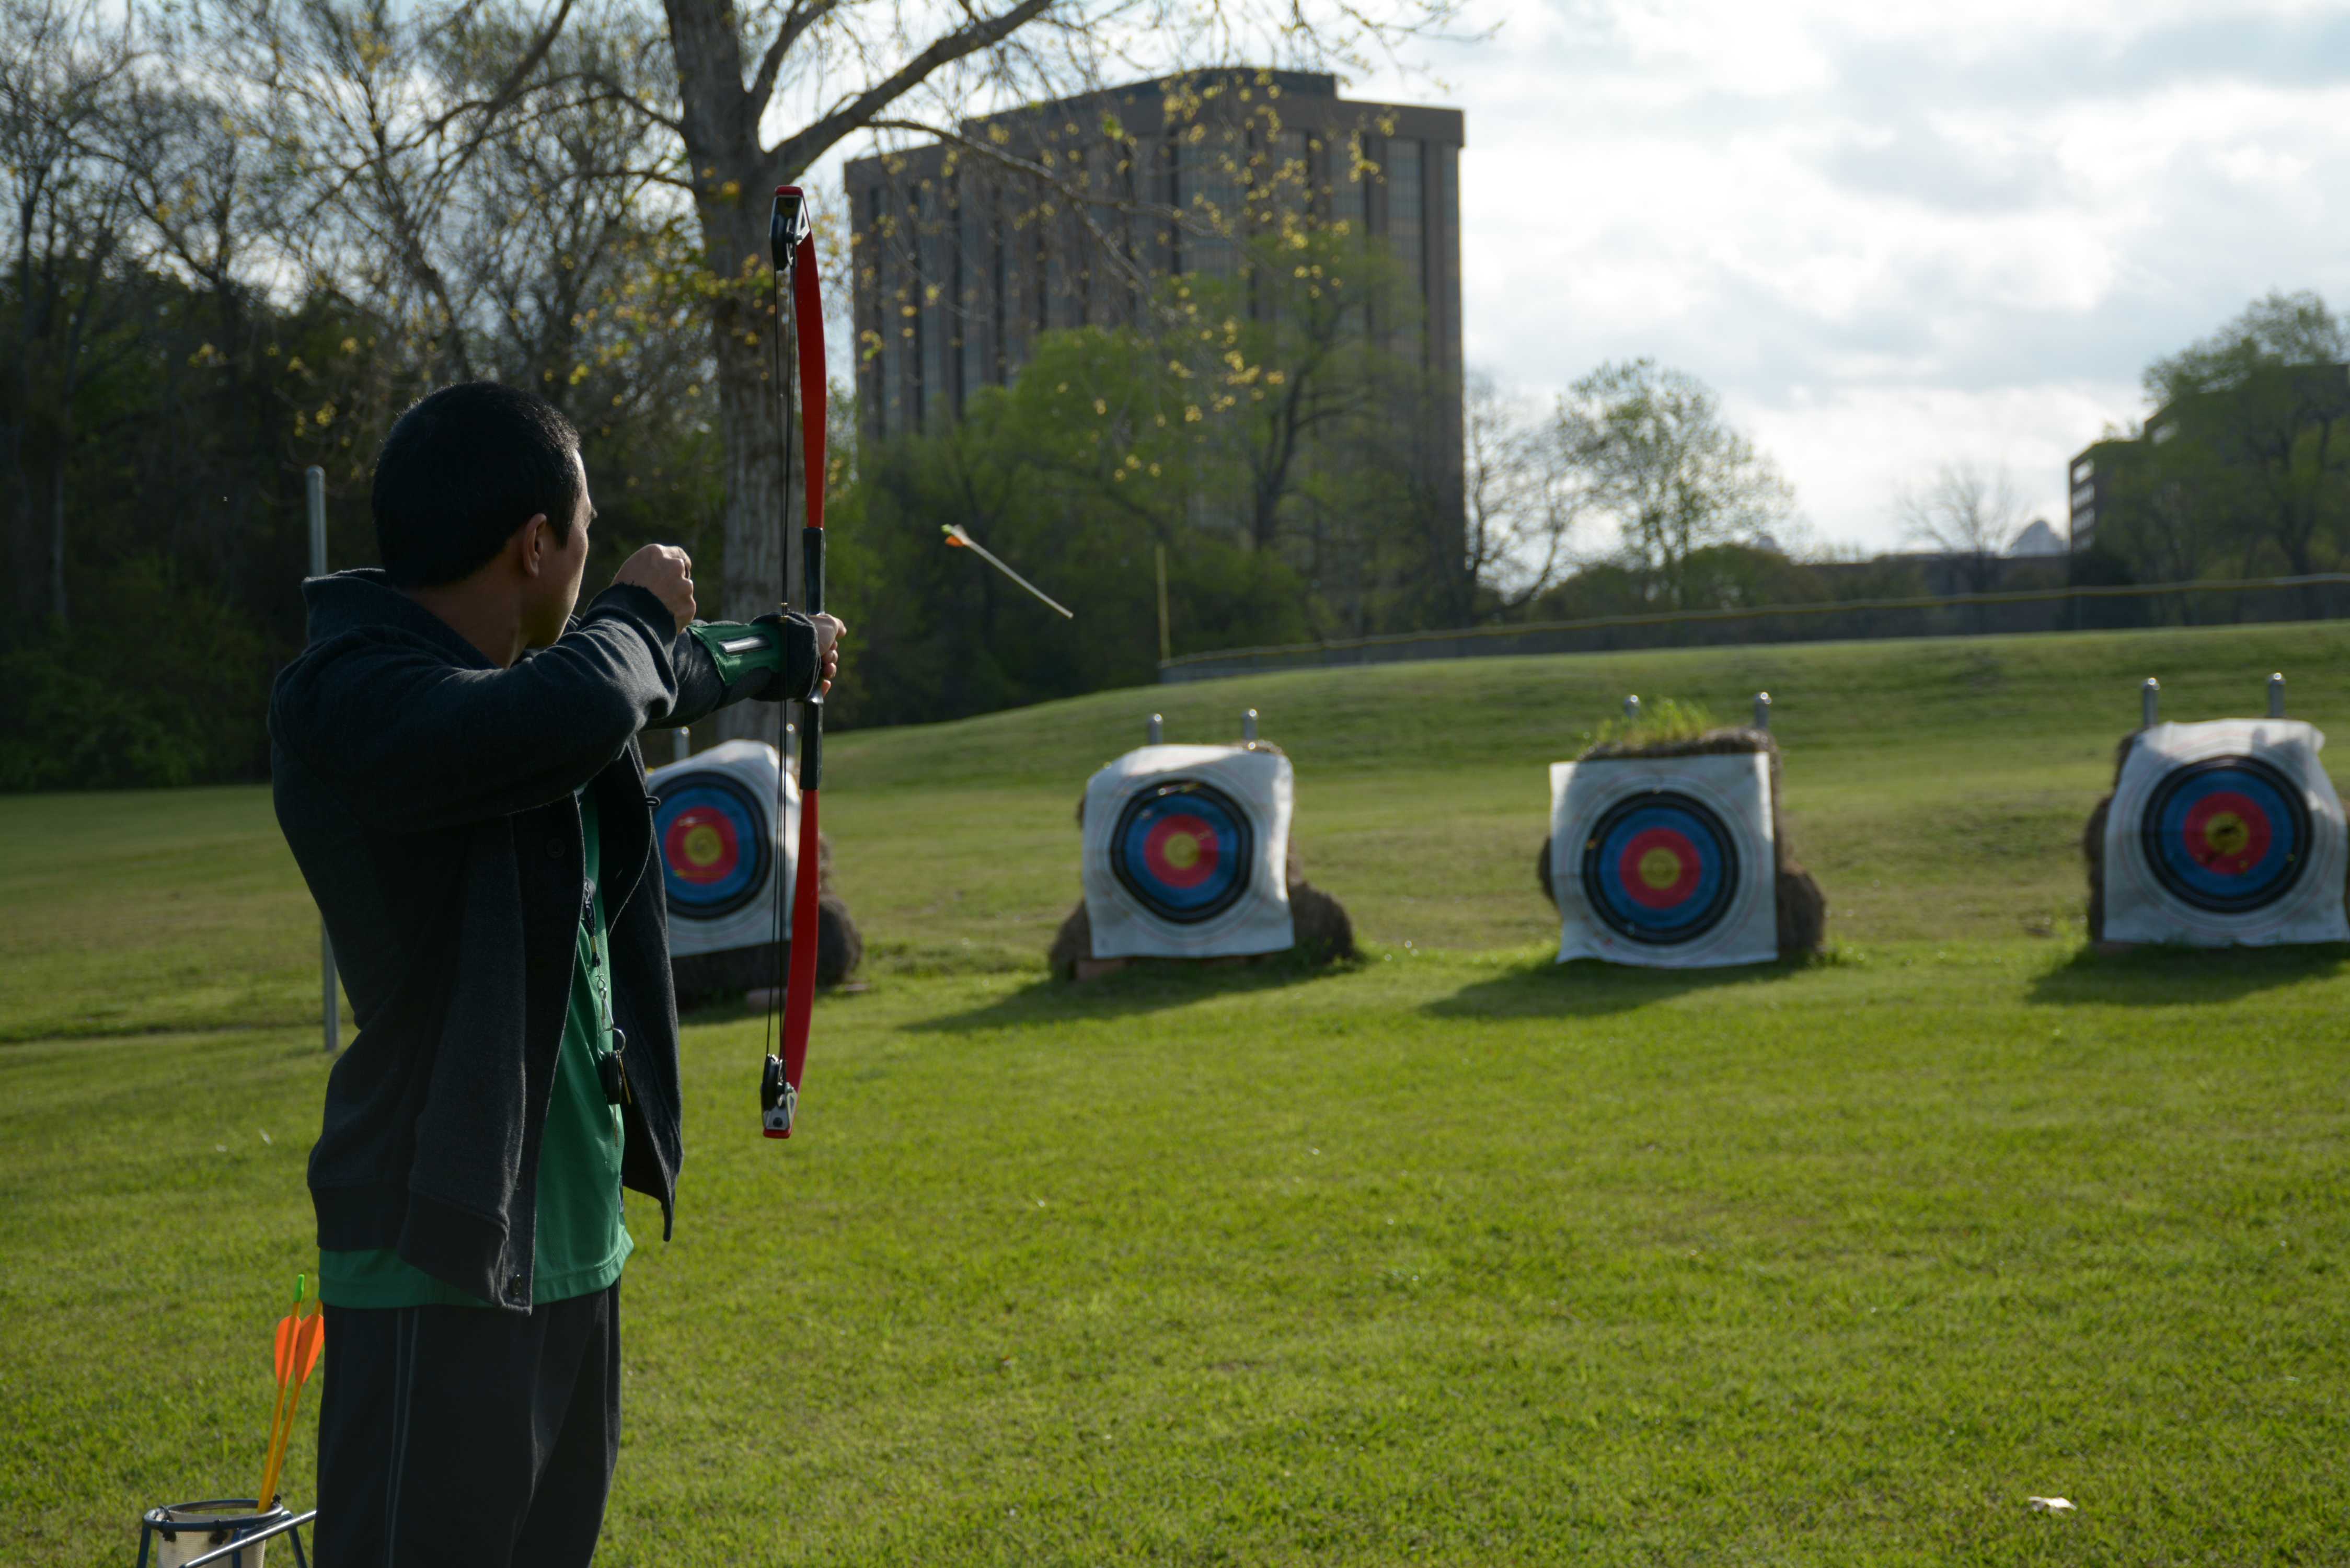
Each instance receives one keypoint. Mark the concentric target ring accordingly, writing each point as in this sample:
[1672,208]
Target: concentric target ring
[1660,867]
[710,832]
[2227,834]
[1185,850]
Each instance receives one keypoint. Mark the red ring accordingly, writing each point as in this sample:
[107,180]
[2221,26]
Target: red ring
[1154,850]
[681,865]
[1673,842]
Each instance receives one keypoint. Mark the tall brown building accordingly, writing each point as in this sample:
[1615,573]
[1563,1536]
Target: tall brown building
[960,261]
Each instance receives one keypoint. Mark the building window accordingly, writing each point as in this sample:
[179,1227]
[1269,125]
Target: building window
[2083,496]
[1406,224]
[2082,470]
[1346,204]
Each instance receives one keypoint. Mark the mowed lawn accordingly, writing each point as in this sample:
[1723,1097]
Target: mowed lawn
[1453,1255]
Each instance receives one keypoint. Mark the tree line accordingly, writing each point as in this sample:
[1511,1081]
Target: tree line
[243,234]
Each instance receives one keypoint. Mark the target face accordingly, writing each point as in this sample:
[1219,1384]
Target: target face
[714,845]
[1183,849]
[1660,867]
[2227,834]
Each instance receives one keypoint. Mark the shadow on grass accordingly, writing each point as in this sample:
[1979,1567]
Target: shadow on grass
[1151,985]
[1588,987]
[2172,977]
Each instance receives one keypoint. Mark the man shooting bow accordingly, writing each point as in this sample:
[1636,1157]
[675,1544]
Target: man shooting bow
[456,768]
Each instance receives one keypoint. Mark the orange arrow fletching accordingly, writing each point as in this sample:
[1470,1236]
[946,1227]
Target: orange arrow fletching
[287,1330]
[313,1340]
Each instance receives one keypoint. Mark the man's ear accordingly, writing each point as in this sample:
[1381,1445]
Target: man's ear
[534,541]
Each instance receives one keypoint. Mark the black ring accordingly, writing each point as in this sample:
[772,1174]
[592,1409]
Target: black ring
[1244,854]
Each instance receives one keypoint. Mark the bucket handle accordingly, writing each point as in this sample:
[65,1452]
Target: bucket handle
[223,1553]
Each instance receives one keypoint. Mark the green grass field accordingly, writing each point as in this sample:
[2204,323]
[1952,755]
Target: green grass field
[1454,1255]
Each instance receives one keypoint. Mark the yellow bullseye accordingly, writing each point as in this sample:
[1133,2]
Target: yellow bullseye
[703,844]
[2227,833]
[1182,851]
[1660,868]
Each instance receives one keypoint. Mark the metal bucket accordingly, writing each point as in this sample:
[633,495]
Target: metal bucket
[185,1533]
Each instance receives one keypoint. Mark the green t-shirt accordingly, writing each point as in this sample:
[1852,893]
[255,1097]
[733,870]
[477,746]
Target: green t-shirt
[582,1243]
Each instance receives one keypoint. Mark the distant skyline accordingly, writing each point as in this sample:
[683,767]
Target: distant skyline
[1890,235]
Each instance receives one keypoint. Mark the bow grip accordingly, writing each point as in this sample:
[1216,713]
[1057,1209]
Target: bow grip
[812,731]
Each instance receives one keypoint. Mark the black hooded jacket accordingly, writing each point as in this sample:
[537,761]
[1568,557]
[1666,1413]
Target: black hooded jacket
[428,797]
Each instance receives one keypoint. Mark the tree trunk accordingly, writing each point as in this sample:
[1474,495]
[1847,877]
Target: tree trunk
[731,179]
[58,605]
[758,524]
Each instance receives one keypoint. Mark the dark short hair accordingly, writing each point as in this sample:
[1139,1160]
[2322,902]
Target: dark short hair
[461,471]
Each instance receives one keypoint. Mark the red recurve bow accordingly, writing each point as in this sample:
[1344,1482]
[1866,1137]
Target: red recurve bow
[792,239]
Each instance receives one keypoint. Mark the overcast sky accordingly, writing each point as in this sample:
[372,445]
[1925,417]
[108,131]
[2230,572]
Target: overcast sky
[1892,234]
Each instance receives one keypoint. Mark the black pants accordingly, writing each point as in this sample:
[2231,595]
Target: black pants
[463,1438]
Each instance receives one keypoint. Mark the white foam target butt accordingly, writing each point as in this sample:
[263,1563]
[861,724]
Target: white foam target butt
[1665,862]
[2225,834]
[721,849]
[1186,853]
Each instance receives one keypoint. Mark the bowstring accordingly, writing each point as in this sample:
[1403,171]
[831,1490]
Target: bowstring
[784,403]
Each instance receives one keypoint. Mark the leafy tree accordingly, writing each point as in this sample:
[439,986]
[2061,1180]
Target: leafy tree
[64,75]
[1668,469]
[940,636]
[2174,512]
[2263,406]
[829,69]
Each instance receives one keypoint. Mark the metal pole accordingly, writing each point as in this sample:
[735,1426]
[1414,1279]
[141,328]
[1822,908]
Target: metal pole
[1632,707]
[1158,729]
[1166,638]
[1248,726]
[2150,702]
[314,488]
[1762,710]
[681,743]
[2276,695]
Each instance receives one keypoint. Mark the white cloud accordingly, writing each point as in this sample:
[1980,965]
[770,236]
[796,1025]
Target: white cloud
[1892,235]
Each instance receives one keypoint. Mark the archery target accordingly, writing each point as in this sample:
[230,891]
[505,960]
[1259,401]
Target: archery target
[1665,861]
[721,850]
[2223,834]
[713,857]
[1186,850]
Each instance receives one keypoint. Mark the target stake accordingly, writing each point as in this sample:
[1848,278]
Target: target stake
[1158,729]
[2276,695]
[1762,710]
[2150,702]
